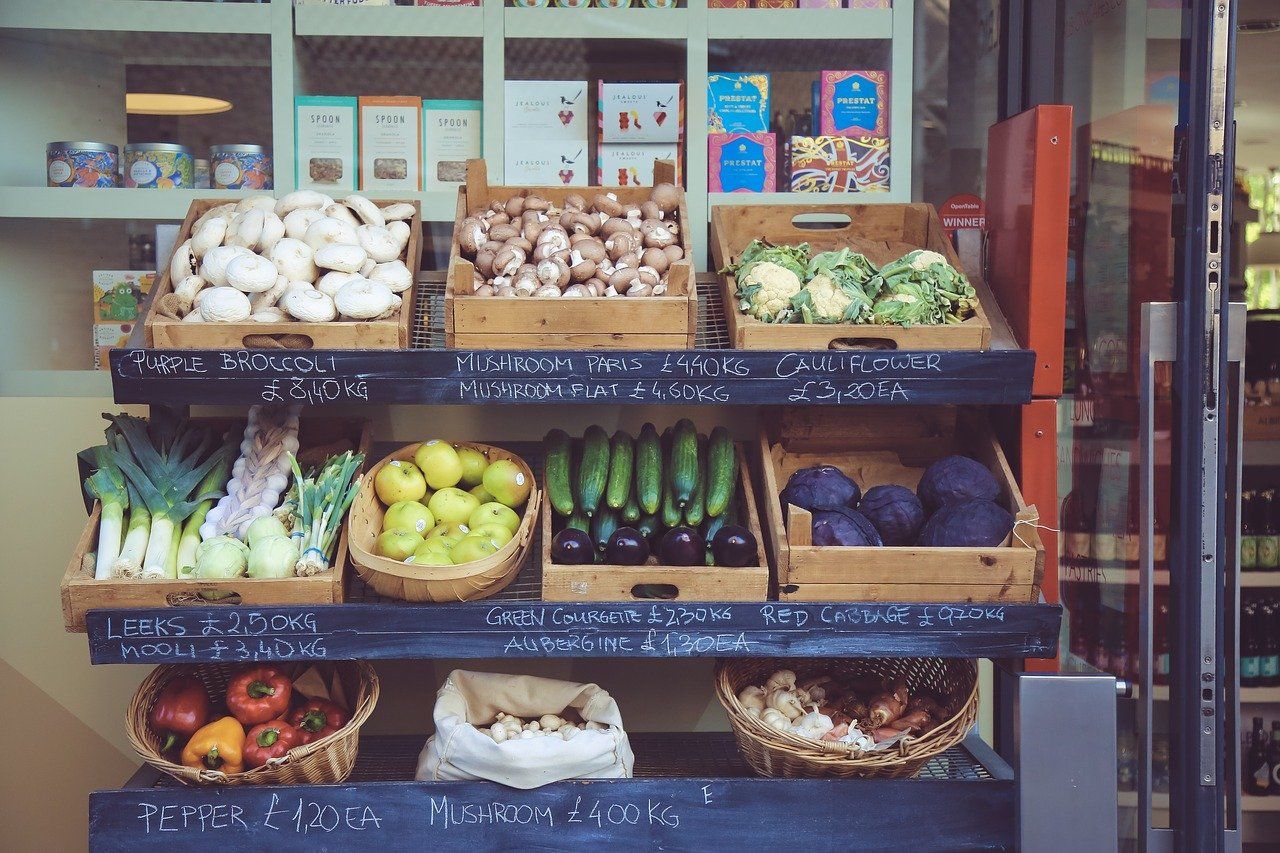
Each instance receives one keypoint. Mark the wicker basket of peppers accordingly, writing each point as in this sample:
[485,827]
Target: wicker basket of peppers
[253,724]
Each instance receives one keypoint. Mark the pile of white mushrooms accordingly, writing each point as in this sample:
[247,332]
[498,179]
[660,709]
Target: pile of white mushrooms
[527,246]
[509,727]
[303,257]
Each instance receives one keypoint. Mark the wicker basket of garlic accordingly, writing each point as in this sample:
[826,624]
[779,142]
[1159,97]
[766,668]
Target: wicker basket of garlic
[300,271]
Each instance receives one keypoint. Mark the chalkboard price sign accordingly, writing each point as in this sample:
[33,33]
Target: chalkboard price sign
[697,377]
[535,629]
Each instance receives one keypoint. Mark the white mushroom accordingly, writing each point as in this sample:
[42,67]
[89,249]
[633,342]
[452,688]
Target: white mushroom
[331,282]
[310,306]
[340,211]
[256,202]
[369,213]
[187,289]
[213,268]
[368,266]
[193,317]
[381,245]
[398,211]
[394,274]
[337,256]
[301,200]
[183,263]
[294,259]
[224,305]
[251,273]
[296,222]
[268,298]
[400,230]
[246,228]
[272,232]
[364,299]
[209,236]
[268,315]
[221,211]
[330,230]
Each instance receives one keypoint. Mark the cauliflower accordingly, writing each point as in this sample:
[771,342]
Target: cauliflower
[840,289]
[922,287]
[765,292]
[922,259]
[821,301]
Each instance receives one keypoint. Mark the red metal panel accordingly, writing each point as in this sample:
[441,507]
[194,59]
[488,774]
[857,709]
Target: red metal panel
[1028,187]
[1037,462]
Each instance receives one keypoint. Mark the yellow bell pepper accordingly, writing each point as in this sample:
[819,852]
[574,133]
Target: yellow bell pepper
[217,746]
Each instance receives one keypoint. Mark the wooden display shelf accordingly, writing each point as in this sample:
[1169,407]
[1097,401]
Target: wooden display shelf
[691,791]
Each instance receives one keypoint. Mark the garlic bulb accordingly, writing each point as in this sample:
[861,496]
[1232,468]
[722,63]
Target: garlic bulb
[776,719]
[814,724]
[752,697]
[783,678]
[786,702]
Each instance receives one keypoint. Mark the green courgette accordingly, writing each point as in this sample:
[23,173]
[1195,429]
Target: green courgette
[559,463]
[721,471]
[695,510]
[593,469]
[669,513]
[648,465]
[579,521]
[684,461]
[603,524]
[621,458]
[631,509]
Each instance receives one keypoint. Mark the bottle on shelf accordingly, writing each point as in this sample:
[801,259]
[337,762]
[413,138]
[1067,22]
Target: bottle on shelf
[1250,654]
[1273,756]
[1268,632]
[1257,766]
[1248,532]
[1269,534]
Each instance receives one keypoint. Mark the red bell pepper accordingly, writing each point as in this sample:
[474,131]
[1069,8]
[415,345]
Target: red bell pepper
[180,710]
[270,740]
[259,694]
[317,718]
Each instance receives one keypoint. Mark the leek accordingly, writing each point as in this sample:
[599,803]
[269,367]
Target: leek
[129,563]
[167,464]
[322,502]
[107,484]
[213,481]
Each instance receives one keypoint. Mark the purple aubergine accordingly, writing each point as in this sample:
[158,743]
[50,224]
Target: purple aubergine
[626,547]
[573,547]
[682,546]
[734,545]
[821,487]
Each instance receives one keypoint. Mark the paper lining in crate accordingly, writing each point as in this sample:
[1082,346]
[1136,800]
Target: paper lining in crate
[598,582]
[882,232]
[164,332]
[81,592]
[669,321]
[892,445]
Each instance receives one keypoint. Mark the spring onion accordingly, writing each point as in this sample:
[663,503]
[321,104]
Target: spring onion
[322,502]
[107,484]
[167,463]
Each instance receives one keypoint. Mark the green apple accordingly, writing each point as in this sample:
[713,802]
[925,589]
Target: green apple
[398,544]
[473,464]
[428,556]
[472,548]
[408,515]
[399,481]
[453,505]
[507,482]
[495,513]
[482,494]
[439,463]
[496,532]
[450,533]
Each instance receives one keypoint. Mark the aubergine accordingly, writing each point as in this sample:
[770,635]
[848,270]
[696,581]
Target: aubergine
[626,547]
[573,547]
[681,546]
[734,546]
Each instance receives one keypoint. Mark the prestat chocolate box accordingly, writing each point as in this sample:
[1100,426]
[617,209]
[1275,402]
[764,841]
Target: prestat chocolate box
[836,164]
[742,163]
[738,103]
[855,103]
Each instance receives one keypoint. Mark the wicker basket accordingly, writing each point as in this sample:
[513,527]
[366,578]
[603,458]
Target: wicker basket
[408,582]
[779,754]
[324,761]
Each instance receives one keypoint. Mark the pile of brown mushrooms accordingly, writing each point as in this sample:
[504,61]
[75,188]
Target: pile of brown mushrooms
[527,246]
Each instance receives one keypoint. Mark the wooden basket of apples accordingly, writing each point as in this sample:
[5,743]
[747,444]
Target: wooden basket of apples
[443,522]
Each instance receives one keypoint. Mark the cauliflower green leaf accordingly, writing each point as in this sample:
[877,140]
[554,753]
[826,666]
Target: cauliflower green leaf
[768,277]
[921,287]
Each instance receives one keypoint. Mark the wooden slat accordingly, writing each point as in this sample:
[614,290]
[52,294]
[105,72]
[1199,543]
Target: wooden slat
[941,593]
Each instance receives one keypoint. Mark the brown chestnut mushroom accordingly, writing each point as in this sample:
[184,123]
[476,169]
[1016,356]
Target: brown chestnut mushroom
[553,271]
[666,197]
[596,286]
[470,235]
[484,262]
[520,242]
[580,268]
[577,291]
[621,279]
[608,203]
[536,203]
[514,206]
[498,218]
[531,222]
[674,252]
[639,288]
[650,210]
[584,223]
[506,292]
[484,290]
[656,234]
[649,276]
[630,260]
[620,244]
[656,259]
[504,232]
[615,225]
[507,261]
[493,246]
[574,201]
[592,250]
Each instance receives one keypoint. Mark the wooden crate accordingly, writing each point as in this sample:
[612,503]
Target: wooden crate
[669,321]
[392,333]
[599,582]
[82,593]
[891,445]
[882,232]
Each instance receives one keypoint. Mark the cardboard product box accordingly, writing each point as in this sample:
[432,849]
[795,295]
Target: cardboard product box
[620,165]
[451,135]
[118,293]
[728,4]
[342,2]
[819,4]
[105,337]
[855,103]
[738,103]
[641,112]
[546,162]
[545,110]
[391,143]
[448,2]
[868,4]
[326,143]
[835,164]
[742,163]
[775,4]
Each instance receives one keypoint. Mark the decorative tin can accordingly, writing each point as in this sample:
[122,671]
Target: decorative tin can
[203,175]
[241,167]
[159,165]
[81,164]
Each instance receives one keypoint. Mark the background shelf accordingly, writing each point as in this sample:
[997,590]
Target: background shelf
[799,24]
[389,21]
[136,16]
[118,203]
[596,23]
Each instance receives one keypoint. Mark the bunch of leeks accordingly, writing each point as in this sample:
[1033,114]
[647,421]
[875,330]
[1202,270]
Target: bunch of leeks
[323,499]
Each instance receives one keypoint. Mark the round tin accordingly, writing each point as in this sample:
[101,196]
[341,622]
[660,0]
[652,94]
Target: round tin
[159,165]
[81,164]
[241,167]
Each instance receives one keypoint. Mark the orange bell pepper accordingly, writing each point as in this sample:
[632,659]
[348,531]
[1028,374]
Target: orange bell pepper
[217,746]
